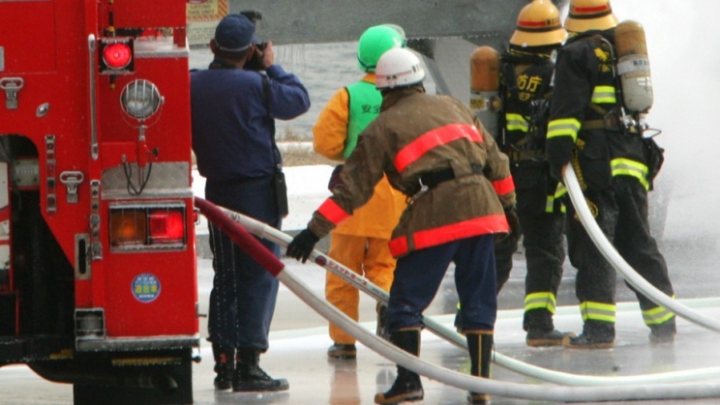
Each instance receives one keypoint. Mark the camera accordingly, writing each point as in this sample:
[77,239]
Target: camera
[256,61]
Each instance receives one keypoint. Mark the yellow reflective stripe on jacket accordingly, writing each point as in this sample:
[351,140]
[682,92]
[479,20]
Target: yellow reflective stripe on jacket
[633,168]
[563,127]
[516,122]
[604,95]
[657,316]
[540,300]
[597,311]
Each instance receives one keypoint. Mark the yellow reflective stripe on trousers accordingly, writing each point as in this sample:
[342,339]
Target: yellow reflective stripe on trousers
[550,204]
[563,127]
[597,311]
[604,95]
[560,191]
[540,300]
[628,167]
[516,122]
[657,315]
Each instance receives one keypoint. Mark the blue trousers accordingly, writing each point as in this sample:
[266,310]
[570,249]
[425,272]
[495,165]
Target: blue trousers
[419,274]
[242,300]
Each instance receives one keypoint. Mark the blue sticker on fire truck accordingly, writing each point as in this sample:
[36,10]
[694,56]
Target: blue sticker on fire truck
[146,287]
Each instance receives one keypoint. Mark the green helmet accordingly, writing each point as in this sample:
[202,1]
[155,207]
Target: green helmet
[375,41]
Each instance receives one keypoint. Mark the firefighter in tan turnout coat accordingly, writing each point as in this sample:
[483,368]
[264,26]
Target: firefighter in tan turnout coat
[461,195]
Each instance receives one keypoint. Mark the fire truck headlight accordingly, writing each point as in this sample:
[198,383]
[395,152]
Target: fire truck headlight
[141,99]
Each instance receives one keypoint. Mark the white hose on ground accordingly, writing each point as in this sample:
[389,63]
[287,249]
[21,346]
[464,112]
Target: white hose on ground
[267,232]
[500,388]
[620,265]
[514,390]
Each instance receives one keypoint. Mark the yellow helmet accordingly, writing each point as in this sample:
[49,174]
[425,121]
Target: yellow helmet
[586,15]
[538,24]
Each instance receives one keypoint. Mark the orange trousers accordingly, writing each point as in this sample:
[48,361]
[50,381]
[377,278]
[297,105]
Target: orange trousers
[368,257]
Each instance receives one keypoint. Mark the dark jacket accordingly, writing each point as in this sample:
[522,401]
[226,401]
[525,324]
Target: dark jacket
[525,78]
[526,85]
[585,115]
[233,115]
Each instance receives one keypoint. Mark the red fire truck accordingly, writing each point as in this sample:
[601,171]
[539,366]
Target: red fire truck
[98,283]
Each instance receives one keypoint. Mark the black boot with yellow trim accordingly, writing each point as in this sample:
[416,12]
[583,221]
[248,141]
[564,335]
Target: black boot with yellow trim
[407,386]
[480,344]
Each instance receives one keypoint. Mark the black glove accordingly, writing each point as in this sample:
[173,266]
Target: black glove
[302,245]
[556,171]
[335,177]
[513,221]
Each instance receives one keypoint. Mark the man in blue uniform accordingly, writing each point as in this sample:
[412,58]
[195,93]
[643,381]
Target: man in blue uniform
[233,113]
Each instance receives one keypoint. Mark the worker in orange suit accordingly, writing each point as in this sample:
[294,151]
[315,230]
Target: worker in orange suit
[360,243]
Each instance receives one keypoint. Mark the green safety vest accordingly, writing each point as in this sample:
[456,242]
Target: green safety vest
[363,105]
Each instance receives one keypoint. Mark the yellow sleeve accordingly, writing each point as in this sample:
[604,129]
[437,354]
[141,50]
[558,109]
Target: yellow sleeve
[330,130]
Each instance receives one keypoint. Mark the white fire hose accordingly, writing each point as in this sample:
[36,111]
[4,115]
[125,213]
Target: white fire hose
[271,234]
[622,267]
[463,381]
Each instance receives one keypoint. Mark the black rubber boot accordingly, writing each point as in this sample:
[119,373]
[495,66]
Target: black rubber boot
[250,377]
[480,345]
[407,386]
[546,338]
[224,367]
[664,332]
[588,342]
[596,335]
[341,351]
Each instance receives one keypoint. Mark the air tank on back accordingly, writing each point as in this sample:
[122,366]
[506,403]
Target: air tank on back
[633,66]
[484,85]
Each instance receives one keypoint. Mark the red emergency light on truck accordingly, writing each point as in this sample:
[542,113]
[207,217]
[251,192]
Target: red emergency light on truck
[98,284]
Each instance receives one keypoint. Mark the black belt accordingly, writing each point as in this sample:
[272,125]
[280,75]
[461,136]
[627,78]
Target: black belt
[610,122]
[432,179]
[531,154]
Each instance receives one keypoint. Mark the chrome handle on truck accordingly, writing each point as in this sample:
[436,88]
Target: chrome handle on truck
[11,86]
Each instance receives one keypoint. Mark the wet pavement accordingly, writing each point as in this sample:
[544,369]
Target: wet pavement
[299,342]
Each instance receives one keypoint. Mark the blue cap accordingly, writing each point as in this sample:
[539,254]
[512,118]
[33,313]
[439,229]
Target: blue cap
[235,33]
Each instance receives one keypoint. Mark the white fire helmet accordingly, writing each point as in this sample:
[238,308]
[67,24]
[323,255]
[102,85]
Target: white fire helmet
[398,67]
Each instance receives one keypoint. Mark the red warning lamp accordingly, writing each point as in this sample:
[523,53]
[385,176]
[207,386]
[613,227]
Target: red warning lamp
[167,226]
[116,55]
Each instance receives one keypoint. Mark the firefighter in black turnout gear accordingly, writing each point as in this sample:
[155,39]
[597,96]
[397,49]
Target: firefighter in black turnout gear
[526,70]
[596,129]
